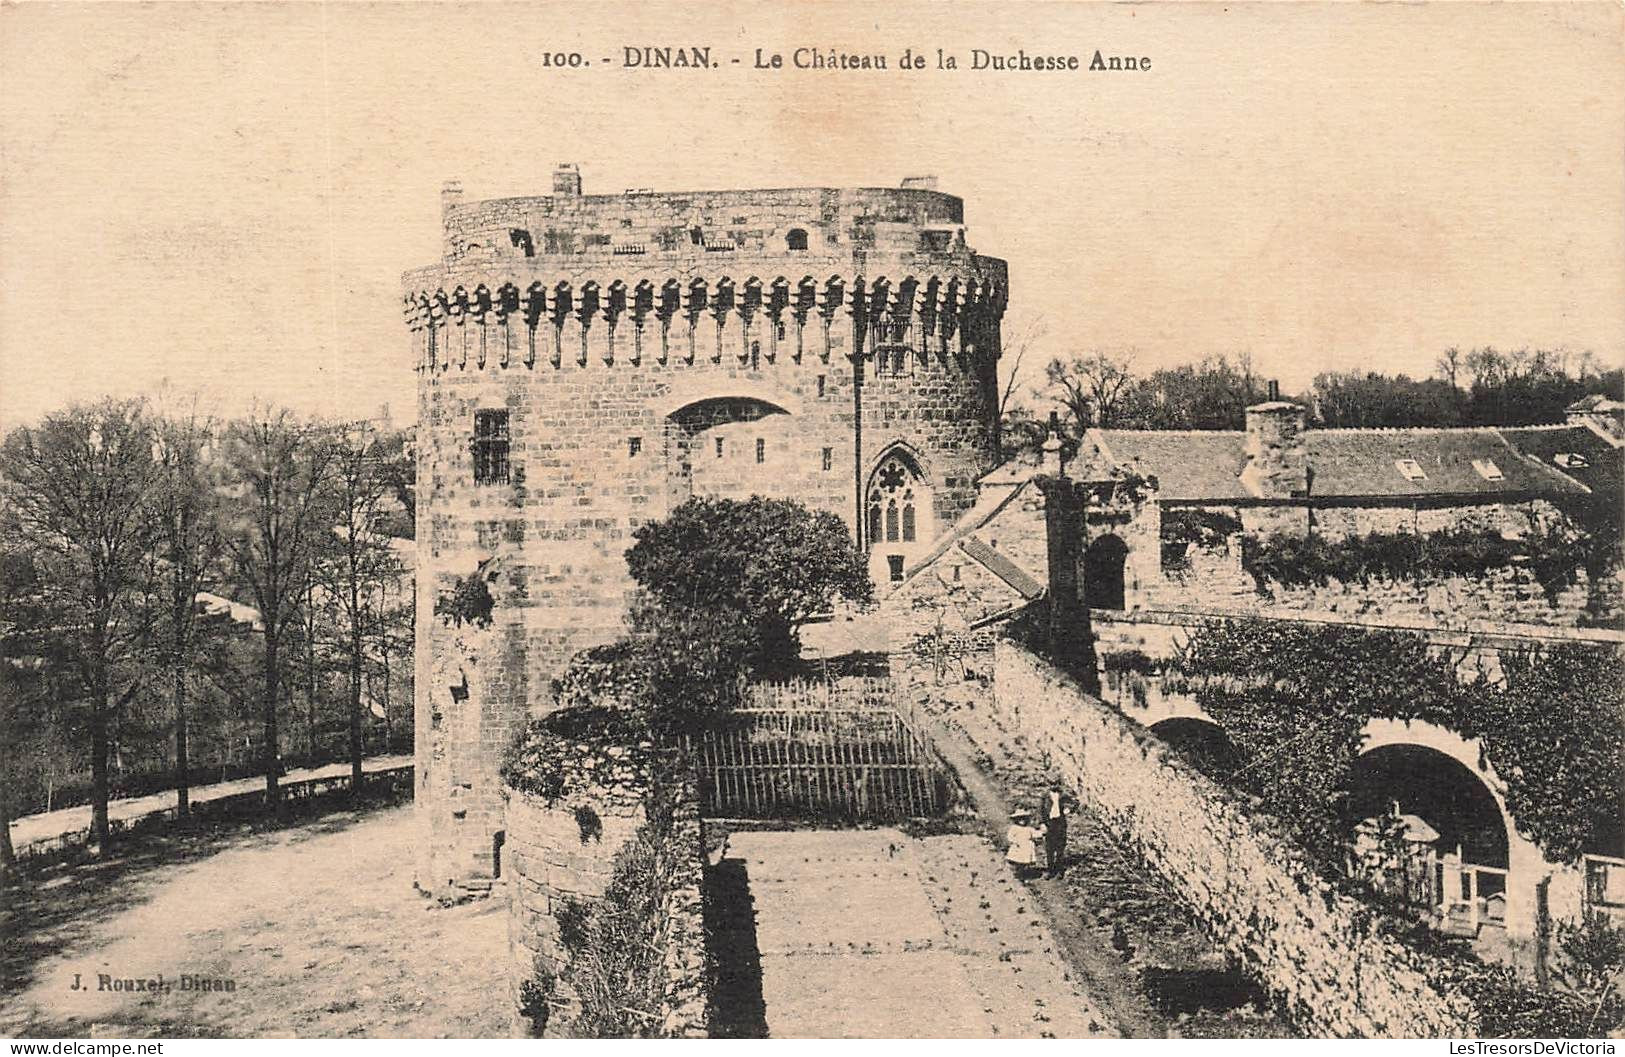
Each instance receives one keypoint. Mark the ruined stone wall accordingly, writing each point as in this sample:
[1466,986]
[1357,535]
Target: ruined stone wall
[620,373]
[1311,946]
[564,852]
[1214,576]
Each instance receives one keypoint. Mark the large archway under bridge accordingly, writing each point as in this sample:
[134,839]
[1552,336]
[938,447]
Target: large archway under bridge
[1428,768]
[1438,776]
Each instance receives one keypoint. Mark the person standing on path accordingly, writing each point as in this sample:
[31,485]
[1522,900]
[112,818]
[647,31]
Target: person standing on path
[1055,833]
[1021,843]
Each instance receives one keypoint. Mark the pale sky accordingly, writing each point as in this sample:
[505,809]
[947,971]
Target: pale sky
[226,196]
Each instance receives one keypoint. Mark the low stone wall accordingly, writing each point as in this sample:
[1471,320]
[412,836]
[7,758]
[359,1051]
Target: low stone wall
[1511,594]
[563,851]
[1312,947]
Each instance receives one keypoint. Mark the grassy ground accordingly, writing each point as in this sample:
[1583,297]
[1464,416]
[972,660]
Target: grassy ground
[315,925]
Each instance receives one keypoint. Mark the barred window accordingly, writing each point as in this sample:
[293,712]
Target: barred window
[829,458]
[761,449]
[490,447]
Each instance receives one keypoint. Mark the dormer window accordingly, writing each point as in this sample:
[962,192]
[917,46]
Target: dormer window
[1410,469]
[1571,460]
[1488,470]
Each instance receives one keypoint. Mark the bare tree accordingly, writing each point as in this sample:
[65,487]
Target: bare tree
[360,562]
[1015,354]
[80,489]
[1091,388]
[188,532]
[279,472]
[1449,365]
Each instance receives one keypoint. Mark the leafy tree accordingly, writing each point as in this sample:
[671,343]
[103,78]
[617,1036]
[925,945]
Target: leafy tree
[770,563]
[1530,386]
[31,623]
[279,472]
[1370,400]
[724,586]
[1212,394]
[79,492]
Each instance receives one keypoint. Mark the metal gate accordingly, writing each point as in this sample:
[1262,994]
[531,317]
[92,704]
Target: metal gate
[846,751]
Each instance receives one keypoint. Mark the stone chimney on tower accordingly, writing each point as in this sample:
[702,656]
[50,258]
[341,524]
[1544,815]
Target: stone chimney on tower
[567,180]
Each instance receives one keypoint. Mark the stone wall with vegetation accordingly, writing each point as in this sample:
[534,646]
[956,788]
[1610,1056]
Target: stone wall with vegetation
[1318,951]
[1450,577]
[604,861]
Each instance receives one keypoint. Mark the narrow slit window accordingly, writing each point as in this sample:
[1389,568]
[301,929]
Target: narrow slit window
[761,450]
[719,447]
[634,445]
[829,459]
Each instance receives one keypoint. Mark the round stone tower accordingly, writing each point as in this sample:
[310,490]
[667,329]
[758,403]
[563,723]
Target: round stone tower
[588,362]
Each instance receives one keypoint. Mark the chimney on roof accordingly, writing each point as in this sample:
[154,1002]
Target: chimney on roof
[567,180]
[1051,465]
[1275,389]
[1277,466]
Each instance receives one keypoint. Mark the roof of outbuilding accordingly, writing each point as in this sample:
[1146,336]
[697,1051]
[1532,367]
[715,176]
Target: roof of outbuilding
[1188,464]
[1012,574]
[1205,466]
[1604,468]
[1362,463]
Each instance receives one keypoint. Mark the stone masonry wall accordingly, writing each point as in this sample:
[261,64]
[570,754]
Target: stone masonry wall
[1311,946]
[1214,576]
[623,401]
[550,858]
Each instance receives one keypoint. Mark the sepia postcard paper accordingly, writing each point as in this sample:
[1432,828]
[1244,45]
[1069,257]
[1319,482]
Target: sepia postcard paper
[914,520]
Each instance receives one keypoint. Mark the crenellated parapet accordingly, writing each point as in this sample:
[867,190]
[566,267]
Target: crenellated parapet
[588,363]
[949,319]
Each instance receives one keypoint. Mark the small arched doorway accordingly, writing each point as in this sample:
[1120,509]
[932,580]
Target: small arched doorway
[1103,563]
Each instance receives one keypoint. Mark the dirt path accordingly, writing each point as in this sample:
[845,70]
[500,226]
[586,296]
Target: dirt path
[317,929]
[1129,940]
[872,934]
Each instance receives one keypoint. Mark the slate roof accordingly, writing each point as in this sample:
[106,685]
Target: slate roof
[987,507]
[1002,567]
[1205,466]
[1188,464]
[1360,463]
[1604,472]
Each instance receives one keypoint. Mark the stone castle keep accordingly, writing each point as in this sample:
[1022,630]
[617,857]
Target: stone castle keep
[588,362]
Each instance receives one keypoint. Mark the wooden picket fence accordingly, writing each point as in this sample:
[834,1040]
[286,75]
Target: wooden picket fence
[847,750]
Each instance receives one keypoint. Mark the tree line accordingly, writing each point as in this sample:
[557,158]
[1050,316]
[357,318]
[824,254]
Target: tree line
[1477,387]
[167,578]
